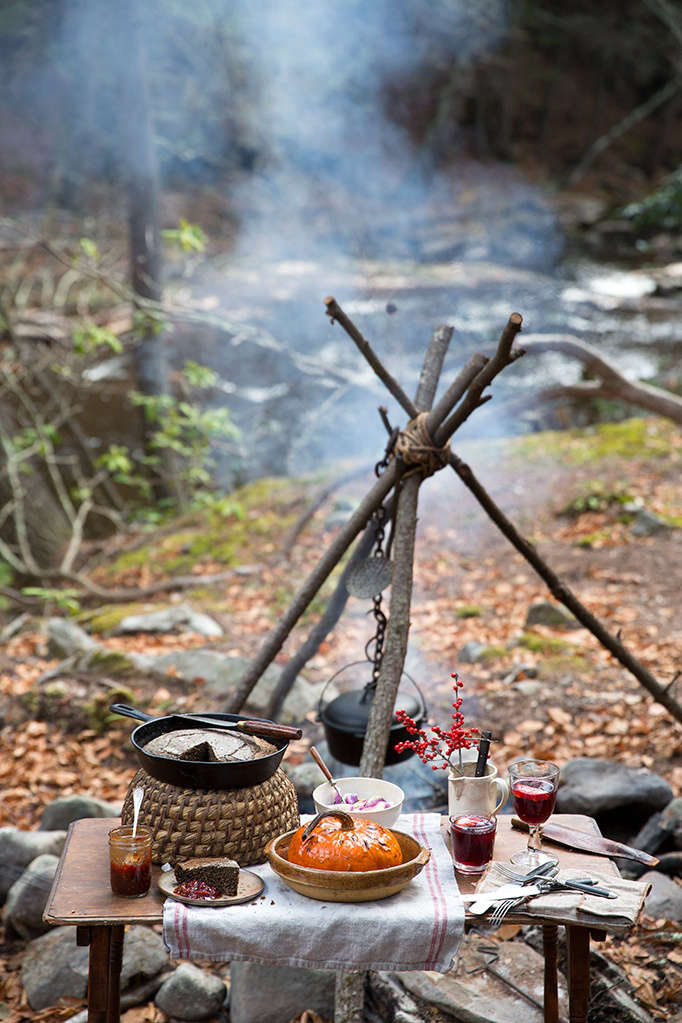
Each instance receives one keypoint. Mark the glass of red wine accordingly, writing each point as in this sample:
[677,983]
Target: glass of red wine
[533,787]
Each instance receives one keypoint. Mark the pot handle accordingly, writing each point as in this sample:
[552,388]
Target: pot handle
[347,822]
[353,664]
[130,712]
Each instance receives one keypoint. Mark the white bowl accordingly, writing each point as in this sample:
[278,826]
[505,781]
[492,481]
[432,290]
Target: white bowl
[365,788]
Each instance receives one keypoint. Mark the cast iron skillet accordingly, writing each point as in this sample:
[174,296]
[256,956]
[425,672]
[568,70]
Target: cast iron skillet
[200,774]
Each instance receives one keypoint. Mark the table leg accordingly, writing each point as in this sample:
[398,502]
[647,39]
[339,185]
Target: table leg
[104,971]
[578,941]
[550,935]
[115,963]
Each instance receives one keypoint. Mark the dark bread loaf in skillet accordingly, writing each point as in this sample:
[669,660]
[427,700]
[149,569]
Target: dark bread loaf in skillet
[222,874]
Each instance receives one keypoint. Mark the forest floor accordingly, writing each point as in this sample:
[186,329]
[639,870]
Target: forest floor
[573,494]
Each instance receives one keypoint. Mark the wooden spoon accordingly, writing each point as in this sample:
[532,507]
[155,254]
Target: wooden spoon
[325,770]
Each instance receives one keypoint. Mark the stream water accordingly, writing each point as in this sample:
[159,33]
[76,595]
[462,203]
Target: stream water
[488,244]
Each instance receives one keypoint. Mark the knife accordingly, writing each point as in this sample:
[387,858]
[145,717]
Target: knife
[574,839]
[480,902]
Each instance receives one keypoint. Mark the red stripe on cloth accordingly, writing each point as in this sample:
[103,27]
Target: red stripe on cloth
[181,933]
[440,909]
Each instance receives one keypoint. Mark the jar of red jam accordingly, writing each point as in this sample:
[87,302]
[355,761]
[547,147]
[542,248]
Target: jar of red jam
[130,861]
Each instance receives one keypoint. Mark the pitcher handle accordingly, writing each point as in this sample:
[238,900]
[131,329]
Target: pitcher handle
[503,792]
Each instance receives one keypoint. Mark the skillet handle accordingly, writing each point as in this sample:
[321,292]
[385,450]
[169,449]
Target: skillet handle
[271,728]
[130,712]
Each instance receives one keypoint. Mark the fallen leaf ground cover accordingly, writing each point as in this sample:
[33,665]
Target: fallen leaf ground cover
[543,691]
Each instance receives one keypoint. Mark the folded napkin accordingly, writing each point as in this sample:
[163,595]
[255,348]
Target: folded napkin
[418,928]
[620,911]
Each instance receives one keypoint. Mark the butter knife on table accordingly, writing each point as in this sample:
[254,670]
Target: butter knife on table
[480,902]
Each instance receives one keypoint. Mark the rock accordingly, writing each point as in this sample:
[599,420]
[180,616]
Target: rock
[647,523]
[169,619]
[272,994]
[65,638]
[665,897]
[660,827]
[555,616]
[55,967]
[221,674]
[61,812]
[620,797]
[19,848]
[23,912]
[144,955]
[191,993]
[472,652]
[475,996]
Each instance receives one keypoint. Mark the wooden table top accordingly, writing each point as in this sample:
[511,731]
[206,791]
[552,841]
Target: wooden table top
[81,893]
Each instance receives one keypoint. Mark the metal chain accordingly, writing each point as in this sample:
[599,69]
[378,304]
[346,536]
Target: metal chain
[376,643]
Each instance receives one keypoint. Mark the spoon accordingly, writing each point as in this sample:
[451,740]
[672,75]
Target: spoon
[325,770]
[138,796]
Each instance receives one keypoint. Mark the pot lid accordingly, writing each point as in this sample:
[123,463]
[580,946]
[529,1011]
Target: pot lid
[350,711]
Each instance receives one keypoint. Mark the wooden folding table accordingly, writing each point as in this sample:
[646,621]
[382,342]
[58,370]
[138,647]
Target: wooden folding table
[81,896]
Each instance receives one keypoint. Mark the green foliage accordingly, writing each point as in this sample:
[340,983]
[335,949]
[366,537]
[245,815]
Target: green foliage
[596,497]
[469,611]
[544,644]
[148,323]
[89,337]
[187,237]
[65,599]
[90,249]
[661,209]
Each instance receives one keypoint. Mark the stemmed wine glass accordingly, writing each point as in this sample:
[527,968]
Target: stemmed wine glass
[533,787]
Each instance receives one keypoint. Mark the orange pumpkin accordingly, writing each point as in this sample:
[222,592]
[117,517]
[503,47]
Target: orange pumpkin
[335,841]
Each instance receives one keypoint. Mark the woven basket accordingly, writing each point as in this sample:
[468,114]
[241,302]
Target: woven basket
[236,823]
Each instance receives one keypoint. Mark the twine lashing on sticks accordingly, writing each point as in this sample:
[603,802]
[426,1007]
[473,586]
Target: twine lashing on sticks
[414,446]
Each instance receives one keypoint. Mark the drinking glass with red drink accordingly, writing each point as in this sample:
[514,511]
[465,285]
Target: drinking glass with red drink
[533,787]
[473,839]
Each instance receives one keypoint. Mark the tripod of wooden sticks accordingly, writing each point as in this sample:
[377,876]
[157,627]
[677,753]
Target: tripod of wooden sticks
[418,451]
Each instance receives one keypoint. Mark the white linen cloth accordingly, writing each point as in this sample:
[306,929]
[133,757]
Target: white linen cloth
[418,928]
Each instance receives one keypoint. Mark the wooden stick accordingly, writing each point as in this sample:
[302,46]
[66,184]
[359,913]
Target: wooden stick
[397,631]
[275,640]
[321,630]
[562,592]
[336,313]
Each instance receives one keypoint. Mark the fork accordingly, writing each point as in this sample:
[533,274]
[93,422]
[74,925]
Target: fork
[502,909]
[547,871]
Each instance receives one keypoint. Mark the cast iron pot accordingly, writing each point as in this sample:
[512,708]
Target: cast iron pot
[203,774]
[345,722]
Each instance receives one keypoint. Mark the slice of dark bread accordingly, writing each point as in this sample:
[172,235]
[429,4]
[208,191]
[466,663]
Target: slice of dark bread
[222,874]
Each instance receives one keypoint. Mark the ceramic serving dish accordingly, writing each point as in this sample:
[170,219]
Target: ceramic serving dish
[348,885]
[365,788]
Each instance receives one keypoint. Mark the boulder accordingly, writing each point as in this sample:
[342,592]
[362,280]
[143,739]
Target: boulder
[221,674]
[55,967]
[665,897]
[61,812]
[65,638]
[23,912]
[170,619]
[272,994]
[555,616]
[472,652]
[19,848]
[599,787]
[194,994]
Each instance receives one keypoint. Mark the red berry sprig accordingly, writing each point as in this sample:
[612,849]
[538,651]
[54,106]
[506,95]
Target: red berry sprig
[442,743]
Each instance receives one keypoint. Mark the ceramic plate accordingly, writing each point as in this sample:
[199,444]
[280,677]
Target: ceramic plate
[249,886]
